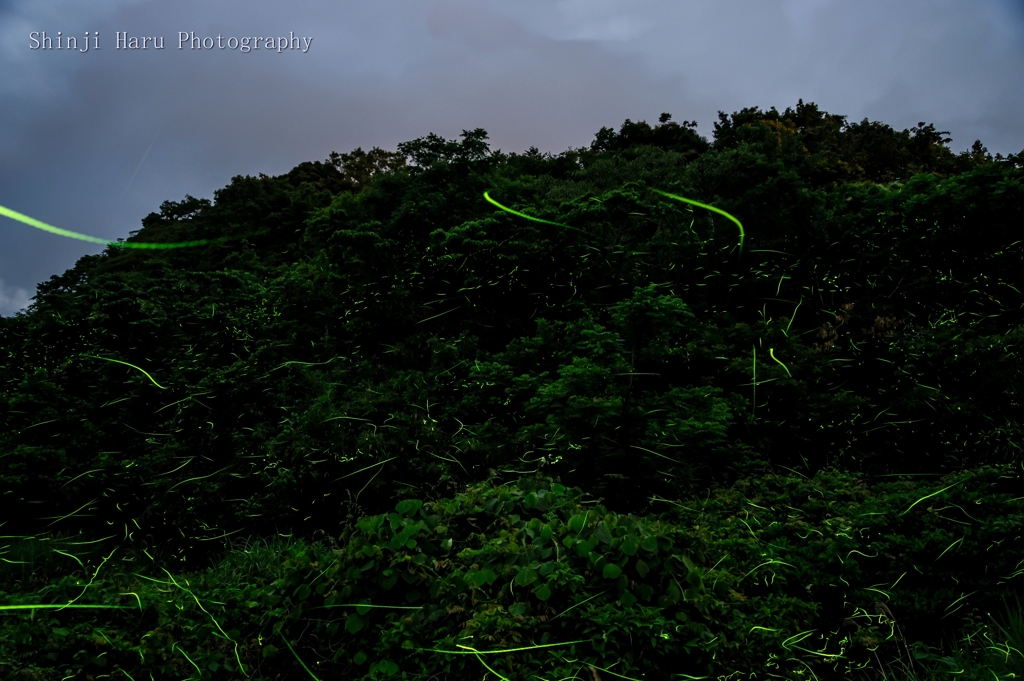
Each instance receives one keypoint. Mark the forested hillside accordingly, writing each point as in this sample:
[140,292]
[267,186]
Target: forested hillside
[370,342]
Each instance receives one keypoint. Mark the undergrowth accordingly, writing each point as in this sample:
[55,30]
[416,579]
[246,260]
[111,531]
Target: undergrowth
[782,577]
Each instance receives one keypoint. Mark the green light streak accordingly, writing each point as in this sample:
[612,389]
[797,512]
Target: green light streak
[132,366]
[32,222]
[950,546]
[753,400]
[929,495]
[786,332]
[671,196]
[189,592]
[578,604]
[629,678]
[771,352]
[175,646]
[497,652]
[62,607]
[707,207]
[529,217]
[477,653]
[285,639]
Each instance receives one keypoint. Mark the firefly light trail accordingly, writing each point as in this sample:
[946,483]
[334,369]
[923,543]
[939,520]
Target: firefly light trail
[671,196]
[38,224]
[32,222]
[465,650]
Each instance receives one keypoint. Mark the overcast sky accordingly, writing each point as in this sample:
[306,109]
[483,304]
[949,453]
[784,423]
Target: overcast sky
[94,141]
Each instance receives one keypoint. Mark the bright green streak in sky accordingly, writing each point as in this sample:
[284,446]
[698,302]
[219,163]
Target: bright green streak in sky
[32,222]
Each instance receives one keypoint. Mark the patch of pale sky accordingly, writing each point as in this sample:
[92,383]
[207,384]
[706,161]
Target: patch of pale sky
[12,299]
[535,72]
[594,20]
[607,21]
[42,79]
[804,15]
[1005,23]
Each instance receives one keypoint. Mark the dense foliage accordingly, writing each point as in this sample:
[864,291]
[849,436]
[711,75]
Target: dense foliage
[378,349]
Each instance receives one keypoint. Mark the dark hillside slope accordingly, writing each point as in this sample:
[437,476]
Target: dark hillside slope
[376,330]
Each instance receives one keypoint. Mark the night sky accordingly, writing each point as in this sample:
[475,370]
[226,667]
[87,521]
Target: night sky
[94,141]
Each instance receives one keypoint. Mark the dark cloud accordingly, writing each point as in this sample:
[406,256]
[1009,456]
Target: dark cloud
[93,142]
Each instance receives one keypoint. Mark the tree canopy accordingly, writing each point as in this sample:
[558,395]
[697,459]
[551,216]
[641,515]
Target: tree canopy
[376,329]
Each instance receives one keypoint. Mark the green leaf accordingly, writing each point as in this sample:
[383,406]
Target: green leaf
[583,548]
[543,592]
[363,608]
[301,592]
[629,546]
[526,577]
[269,651]
[674,594]
[359,657]
[546,568]
[649,544]
[530,500]
[409,506]
[627,599]
[478,578]
[368,525]
[557,489]
[602,534]
[577,522]
[646,591]
[517,609]
[642,568]
[611,571]
[354,623]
